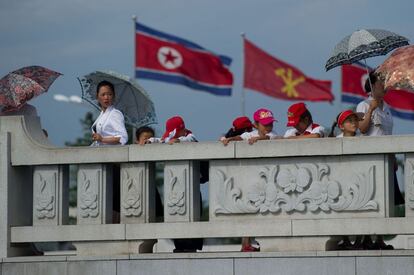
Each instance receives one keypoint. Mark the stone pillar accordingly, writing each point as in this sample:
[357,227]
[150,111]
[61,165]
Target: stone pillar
[50,195]
[137,192]
[16,192]
[181,191]
[409,184]
[94,194]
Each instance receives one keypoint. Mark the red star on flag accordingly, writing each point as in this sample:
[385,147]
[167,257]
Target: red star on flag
[169,57]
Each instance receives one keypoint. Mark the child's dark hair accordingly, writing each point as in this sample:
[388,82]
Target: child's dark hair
[105,83]
[144,129]
[373,78]
[305,115]
[234,133]
[334,124]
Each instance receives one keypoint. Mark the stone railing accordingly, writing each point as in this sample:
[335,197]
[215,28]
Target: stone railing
[289,195]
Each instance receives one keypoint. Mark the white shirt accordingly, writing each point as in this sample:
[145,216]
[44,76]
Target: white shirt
[111,124]
[381,120]
[188,138]
[312,129]
[255,133]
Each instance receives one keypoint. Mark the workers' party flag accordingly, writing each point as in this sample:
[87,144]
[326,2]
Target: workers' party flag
[273,77]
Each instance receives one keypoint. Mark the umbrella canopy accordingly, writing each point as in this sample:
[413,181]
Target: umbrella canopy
[17,87]
[398,69]
[363,44]
[130,98]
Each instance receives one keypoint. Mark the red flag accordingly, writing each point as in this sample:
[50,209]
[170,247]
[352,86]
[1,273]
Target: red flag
[273,77]
[353,80]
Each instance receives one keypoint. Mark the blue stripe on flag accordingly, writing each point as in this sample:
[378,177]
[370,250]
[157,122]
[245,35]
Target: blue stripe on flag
[401,114]
[183,80]
[139,27]
[351,99]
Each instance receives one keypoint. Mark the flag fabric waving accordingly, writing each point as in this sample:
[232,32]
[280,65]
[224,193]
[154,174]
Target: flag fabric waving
[353,80]
[164,57]
[273,77]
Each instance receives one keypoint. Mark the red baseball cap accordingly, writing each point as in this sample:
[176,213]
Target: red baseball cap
[173,123]
[241,123]
[263,116]
[294,113]
[344,115]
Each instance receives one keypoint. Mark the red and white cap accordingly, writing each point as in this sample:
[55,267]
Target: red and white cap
[263,116]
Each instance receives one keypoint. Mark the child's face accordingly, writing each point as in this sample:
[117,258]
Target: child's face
[302,125]
[144,136]
[264,129]
[181,133]
[350,125]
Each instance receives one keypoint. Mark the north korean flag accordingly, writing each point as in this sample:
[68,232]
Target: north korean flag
[353,80]
[164,57]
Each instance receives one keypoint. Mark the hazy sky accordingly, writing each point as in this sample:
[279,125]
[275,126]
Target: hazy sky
[77,37]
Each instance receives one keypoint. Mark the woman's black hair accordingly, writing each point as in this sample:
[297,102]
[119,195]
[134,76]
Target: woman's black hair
[373,77]
[144,129]
[334,124]
[305,115]
[105,83]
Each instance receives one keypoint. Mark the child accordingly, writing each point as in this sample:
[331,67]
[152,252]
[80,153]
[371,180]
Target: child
[348,122]
[240,125]
[300,119]
[263,122]
[145,135]
[175,131]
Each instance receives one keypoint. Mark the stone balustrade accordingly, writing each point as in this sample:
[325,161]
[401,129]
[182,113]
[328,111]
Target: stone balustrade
[288,194]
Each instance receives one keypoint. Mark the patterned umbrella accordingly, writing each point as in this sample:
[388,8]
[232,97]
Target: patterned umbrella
[130,98]
[18,87]
[363,44]
[398,69]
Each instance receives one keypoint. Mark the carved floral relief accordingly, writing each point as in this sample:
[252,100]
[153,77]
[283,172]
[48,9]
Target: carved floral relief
[132,194]
[296,188]
[45,198]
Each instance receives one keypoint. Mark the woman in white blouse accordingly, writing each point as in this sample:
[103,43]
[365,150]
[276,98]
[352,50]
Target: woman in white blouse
[109,127]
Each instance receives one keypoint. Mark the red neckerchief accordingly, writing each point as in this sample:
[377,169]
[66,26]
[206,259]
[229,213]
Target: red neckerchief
[313,126]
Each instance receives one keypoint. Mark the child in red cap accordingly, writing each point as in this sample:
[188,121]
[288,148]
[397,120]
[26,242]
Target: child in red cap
[348,122]
[263,122]
[175,131]
[300,119]
[240,125]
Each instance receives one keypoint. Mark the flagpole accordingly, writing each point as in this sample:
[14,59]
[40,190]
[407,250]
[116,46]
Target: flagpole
[134,20]
[243,91]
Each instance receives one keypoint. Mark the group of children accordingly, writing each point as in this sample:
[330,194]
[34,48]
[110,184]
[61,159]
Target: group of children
[299,119]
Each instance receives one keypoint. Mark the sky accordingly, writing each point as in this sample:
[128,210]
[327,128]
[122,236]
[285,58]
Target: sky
[76,37]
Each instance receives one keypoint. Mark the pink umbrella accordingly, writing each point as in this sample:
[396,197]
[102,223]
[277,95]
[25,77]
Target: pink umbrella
[17,87]
[398,69]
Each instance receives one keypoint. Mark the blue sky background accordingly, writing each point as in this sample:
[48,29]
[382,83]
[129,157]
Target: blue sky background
[77,37]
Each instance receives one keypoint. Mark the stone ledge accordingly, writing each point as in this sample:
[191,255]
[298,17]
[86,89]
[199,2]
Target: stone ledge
[216,255]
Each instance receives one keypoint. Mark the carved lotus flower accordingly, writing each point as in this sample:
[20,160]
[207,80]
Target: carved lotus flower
[176,202]
[292,180]
[324,193]
[262,195]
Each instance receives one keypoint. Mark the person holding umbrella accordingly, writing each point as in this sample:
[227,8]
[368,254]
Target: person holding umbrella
[109,127]
[377,121]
